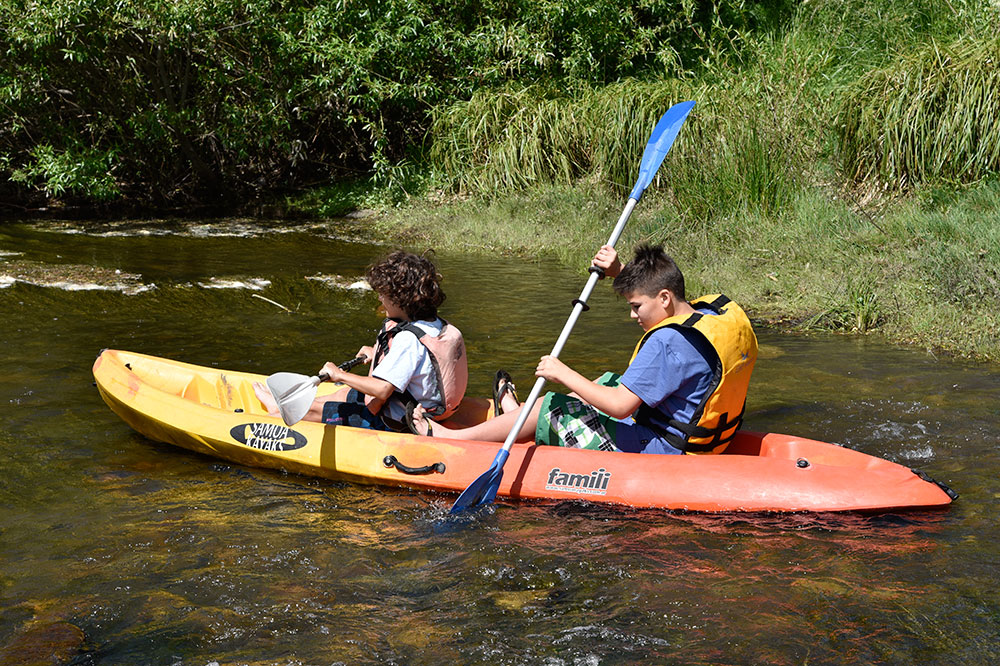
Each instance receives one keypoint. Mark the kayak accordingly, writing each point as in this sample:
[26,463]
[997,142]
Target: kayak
[215,412]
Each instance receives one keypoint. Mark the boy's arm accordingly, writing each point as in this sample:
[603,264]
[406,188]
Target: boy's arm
[615,401]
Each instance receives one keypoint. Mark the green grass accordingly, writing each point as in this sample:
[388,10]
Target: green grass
[504,141]
[555,220]
[923,271]
[930,116]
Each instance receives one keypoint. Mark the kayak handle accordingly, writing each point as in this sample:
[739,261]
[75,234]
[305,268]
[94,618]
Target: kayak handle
[927,477]
[390,461]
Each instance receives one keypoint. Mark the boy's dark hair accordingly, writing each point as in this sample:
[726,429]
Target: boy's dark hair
[651,270]
[410,281]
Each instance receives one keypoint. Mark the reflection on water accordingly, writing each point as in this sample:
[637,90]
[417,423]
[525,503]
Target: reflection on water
[155,555]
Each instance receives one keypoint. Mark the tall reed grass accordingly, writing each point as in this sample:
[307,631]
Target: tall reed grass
[499,142]
[736,150]
[933,115]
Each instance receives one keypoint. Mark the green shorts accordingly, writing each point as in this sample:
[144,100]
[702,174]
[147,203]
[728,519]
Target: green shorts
[568,421]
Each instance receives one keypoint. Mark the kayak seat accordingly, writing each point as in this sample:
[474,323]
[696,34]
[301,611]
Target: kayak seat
[201,391]
[470,412]
[237,394]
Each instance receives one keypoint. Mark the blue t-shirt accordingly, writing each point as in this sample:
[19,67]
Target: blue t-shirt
[671,374]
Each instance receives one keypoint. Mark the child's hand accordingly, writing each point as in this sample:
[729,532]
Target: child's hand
[368,352]
[552,369]
[607,260]
[331,370]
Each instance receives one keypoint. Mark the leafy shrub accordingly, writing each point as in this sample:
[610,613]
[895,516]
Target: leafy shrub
[218,99]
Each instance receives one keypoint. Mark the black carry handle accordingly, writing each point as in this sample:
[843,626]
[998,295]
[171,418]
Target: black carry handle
[390,461]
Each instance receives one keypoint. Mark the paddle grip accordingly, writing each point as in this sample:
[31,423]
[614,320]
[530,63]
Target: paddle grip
[347,365]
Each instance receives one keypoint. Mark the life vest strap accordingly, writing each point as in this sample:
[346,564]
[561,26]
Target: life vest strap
[710,426]
[448,380]
[692,430]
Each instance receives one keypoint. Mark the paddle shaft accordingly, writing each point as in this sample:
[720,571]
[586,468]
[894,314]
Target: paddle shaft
[578,308]
[485,487]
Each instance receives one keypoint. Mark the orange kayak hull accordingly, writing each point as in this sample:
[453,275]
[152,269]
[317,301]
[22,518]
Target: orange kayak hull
[215,412]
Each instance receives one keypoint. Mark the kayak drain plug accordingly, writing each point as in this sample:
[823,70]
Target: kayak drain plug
[390,461]
[802,463]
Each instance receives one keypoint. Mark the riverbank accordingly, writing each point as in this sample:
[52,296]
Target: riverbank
[835,173]
[921,270]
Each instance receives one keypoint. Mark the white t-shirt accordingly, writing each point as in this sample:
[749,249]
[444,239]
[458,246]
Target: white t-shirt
[407,366]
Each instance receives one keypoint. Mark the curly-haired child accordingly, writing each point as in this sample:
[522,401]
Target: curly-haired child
[417,358]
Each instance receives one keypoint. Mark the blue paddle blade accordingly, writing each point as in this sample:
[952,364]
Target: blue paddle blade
[484,489]
[659,144]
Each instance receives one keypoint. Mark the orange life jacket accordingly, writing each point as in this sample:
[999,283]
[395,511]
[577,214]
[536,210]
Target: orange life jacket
[720,413]
[448,357]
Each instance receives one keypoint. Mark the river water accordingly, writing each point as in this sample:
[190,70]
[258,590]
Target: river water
[118,550]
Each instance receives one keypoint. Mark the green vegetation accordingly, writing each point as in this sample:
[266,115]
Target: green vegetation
[924,271]
[180,101]
[931,115]
[781,189]
[840,170]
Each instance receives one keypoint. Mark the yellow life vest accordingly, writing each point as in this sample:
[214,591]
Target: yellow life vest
[720,413]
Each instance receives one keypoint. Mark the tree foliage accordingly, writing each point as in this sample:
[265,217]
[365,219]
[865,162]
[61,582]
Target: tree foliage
[173,101]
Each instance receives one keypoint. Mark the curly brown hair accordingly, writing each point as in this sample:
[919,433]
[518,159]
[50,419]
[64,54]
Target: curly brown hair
[410,281]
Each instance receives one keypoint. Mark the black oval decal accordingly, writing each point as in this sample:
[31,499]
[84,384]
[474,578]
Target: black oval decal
[268,436]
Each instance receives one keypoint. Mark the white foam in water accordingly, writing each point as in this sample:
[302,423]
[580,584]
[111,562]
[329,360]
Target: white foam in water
[217,229]
[925,452]
[125,288]
[341,282]
[224,230]
[254,284]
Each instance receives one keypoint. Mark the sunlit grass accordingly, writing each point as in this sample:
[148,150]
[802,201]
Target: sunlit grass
[513,139]
[931,116]
[922,271]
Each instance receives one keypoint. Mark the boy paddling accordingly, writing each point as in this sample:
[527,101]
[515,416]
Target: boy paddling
[684,389]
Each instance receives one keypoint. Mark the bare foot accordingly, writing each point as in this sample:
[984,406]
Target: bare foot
[419,423]
[264,395]
[509,401]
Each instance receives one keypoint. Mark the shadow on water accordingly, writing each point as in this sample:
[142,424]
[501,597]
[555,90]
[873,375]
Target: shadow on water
[117,549]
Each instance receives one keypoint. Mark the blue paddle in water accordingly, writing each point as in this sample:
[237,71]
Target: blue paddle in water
[483,490]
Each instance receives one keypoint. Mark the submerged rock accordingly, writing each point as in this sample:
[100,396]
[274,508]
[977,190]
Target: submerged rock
[71,277]
[43,644]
